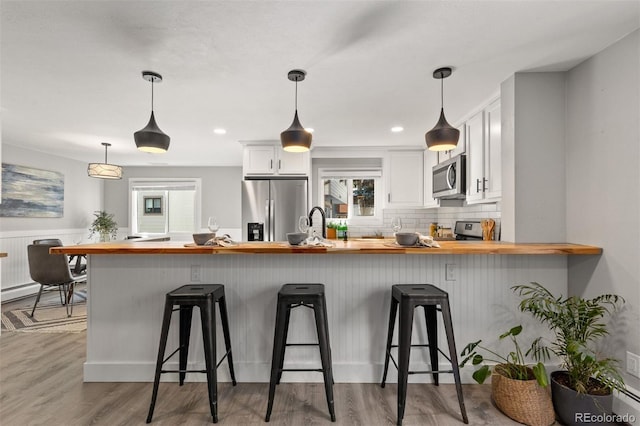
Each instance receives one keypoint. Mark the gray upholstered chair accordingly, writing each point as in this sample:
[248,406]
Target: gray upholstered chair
[52,270]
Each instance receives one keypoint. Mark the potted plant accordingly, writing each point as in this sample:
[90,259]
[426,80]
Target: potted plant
[518,390]
[104,225]
[584,387]
[331,230]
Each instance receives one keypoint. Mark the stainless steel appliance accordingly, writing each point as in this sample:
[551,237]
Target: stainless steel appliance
[271,207]
[468,230]
[449,179]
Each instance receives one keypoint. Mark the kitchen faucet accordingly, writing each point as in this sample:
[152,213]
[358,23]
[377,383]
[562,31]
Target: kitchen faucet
[324,220]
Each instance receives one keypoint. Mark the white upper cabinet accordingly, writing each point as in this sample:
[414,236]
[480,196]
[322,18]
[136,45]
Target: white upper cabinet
[405,178]
[271,159]
[484,171]
[430,160]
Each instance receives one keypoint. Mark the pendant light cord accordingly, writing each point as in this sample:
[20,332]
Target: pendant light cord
[296,94]
[105,154]
[152,80]
[441,92]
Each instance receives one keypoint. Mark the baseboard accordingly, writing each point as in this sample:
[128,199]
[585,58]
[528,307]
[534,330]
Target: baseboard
[19,292]
[624,405]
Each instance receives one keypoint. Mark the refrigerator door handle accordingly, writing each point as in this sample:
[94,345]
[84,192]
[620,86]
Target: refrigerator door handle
[267,231]
[272,220]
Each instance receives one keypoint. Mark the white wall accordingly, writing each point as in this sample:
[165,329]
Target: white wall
[221,196]
[603,195]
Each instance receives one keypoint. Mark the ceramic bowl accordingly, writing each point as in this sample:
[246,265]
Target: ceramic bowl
[200,239]
[406,238]
[295,238]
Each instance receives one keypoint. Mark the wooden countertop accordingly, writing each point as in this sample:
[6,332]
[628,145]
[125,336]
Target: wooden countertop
[353,246]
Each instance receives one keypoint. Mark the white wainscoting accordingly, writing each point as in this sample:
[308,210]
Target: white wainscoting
[126,299]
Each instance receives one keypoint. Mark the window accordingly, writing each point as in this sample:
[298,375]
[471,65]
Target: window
[351,194]
[152,205]
[165,206]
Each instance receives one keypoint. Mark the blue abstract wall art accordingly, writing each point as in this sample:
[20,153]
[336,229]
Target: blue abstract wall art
[29,192]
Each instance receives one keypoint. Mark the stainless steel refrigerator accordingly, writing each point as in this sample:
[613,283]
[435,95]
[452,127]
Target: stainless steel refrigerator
[271,208]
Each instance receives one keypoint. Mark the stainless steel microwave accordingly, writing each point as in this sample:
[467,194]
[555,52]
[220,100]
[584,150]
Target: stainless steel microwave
[449,179]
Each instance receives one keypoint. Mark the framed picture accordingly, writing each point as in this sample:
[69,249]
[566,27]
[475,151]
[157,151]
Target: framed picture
[152,205]
[30,192]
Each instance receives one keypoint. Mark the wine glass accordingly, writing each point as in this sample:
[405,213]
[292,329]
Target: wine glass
[212,224]
[396,224]
[303,224]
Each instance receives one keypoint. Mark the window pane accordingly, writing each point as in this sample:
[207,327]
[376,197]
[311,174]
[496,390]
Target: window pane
[148,221]
[336,198]
[181,211]
[363,197]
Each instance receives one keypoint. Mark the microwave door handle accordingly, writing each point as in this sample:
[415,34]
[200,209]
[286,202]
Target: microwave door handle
[449,184]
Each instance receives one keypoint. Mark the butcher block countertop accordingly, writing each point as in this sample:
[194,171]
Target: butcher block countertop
[353,246]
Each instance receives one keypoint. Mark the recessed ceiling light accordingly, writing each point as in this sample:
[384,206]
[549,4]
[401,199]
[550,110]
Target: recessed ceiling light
[219,131]
[397,129]
[309,129]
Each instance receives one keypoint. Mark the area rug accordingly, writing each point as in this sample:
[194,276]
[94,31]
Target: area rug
[48,318]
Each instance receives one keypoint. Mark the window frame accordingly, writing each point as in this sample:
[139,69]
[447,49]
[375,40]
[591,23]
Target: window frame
[153,205]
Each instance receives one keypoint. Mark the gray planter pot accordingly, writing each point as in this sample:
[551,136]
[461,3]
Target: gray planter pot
[576,409]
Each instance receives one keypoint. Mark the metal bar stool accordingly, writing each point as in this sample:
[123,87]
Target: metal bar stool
[292,296]
[410,296]
[204,297]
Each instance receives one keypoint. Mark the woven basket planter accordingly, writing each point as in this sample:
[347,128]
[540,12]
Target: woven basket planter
[523,400]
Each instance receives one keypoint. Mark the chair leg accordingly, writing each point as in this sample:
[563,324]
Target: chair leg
[227,337]
[448,327]
[392,321]
[284,341]
[278,344]
[431,318]
[164,333]
[71,289]
[404,351]
[37,300]
[319,310]
[207,315]
[186,313]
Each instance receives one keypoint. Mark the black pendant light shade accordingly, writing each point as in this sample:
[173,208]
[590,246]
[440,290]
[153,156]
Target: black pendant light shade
[151,138]
[443,137]
[296,138]
[104,170]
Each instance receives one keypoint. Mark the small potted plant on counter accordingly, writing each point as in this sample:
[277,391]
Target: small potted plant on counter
[104,225]
[584,387]
[518,390]
[331,230]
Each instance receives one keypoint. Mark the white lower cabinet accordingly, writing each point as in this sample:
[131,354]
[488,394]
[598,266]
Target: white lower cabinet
[405,171]
[484,170]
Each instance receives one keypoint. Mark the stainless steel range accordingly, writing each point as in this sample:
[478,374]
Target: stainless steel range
[470,230]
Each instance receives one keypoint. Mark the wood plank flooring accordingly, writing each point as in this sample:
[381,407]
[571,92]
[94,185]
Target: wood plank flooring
[41,384]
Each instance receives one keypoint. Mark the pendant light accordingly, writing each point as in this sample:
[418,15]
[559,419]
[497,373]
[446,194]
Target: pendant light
[296,138]
[104,170]
[151,138]
[443,136]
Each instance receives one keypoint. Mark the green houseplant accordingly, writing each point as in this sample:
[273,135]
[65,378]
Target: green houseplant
[104,225]
[586,383]
[518,390]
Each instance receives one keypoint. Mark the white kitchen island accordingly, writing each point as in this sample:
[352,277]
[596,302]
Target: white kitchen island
[127,283]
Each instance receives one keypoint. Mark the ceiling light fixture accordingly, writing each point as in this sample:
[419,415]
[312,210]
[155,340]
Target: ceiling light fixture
[296,138]
[151,138]
[104,170]
[397,129]
[443,136]
[219,131]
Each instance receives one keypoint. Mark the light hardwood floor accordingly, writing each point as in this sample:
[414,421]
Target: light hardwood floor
[41,384]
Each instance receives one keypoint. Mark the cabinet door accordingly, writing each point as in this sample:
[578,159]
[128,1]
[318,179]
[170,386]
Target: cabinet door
[430,160]
[492,152]
[474,128]
[293,163]
[406,178]
[259,160]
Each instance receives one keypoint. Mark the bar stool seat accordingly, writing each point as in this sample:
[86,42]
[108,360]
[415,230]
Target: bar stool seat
[432,299]
[292,296]
[204,296]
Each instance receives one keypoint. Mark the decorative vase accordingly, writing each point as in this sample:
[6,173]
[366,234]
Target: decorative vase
[105,237]
[524,401]
[573,407]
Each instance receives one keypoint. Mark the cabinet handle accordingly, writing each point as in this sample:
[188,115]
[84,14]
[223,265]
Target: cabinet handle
[389,197]
[484,181]
[477,185]
[271,164]
[279,164]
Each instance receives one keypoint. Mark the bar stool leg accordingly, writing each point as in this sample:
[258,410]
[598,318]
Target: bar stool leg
[166,320]
[227,337]
[284,342]
[392,321]
[448,327]
[404,351]
[431,318]
[185,332]
[207,316]
[323,339]
[278,351]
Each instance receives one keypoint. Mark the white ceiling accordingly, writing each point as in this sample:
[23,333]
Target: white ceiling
[71,70]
